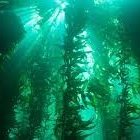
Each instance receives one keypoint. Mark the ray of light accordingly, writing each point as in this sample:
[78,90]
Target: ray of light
[30,18]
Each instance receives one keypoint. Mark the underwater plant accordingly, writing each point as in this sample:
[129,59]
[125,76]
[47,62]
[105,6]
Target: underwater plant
[69,70]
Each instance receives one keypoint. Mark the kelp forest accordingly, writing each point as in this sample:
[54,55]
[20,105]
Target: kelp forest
[69,69]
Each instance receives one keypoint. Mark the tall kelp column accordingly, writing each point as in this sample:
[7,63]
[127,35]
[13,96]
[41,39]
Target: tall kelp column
[78,114]
[39,101]
[11,32]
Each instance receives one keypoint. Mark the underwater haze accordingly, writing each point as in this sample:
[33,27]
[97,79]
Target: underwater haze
[69,69]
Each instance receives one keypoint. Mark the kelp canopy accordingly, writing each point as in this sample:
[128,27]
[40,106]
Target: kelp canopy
[69,70]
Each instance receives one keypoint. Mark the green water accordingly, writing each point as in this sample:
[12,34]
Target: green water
[69,70]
